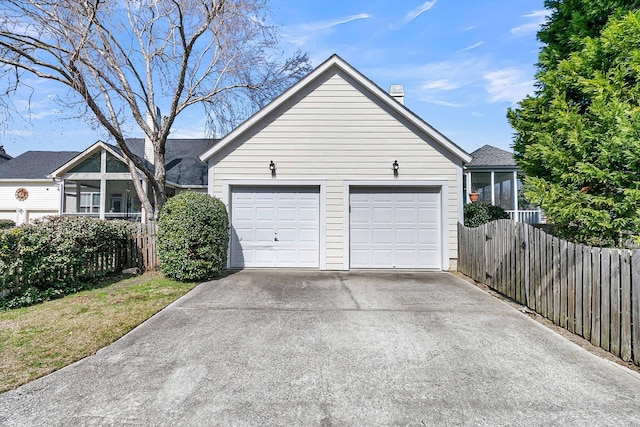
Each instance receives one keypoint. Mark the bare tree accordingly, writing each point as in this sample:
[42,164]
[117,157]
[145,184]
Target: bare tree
[122,58]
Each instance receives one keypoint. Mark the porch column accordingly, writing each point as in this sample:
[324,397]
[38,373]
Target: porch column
[78,185]
[103,183]
[62,196]
[493,192]
[515,196]
[466,196]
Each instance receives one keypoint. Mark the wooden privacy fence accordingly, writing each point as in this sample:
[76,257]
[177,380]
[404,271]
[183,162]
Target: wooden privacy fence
[590,291]
[142,247]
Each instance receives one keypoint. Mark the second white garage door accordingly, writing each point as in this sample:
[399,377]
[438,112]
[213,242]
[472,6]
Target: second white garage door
[395,228]
[275,227]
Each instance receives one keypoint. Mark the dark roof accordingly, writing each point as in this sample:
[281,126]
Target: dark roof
[183,165]
[489,157]
[34,164]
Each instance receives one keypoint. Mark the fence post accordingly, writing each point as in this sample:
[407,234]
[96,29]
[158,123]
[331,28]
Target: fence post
[635,305]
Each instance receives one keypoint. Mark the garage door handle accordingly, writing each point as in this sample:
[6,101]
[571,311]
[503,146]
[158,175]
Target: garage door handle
[276,238]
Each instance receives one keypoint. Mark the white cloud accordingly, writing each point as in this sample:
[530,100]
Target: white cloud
[536,19]
[327,25]
[443,103]
[468,81]
[473,46]
[441,85]
[414,14]
[507,85]
[419,11]
[301,34]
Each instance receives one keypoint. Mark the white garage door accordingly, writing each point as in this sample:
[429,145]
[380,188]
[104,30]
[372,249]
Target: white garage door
[395,228]
[275,227]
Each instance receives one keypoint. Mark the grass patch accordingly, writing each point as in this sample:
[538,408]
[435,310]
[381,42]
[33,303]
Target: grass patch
[37,340]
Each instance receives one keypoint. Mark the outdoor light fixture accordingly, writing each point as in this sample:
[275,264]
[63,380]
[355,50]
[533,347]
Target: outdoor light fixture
[395,168]
[272,168]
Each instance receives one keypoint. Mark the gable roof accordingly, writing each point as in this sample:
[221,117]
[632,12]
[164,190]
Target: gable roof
[183,166]
[35,164]
[335,63]
[488,156]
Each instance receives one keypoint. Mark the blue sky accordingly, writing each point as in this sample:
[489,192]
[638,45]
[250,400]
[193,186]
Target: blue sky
[462,64]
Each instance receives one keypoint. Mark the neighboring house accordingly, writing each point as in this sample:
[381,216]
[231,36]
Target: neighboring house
[337,174]
[95,182]
[26,191]
[494,176]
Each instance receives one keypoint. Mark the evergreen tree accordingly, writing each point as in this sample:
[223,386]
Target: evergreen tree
[578,139]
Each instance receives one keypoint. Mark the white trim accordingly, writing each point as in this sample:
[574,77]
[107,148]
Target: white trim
[27,180]
[444,220]
[227,187]
[335,62]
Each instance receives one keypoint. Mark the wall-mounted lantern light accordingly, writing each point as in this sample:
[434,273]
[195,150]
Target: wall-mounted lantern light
[272,168]
[395,168]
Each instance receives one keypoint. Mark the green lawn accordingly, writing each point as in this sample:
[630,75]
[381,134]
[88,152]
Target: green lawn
[37,340]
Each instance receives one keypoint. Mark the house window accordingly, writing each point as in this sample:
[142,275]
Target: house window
[90,202]
[115,165]
[91,164]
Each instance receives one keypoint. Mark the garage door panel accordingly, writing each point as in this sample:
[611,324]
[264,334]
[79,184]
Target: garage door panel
[275,226]
[406,237]
[382,257]
[381,235]
[308,214]
[406,215]
[395,227]
[382,215]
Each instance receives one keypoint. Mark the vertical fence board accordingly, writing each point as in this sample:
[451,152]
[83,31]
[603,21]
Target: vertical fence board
[595,296]
[635,306]
[578,289]
[625,305]
[614,333]
[587,287]
[542,270]
[551,267]
[556,281]
[605,297]
[571,287]
[563,309]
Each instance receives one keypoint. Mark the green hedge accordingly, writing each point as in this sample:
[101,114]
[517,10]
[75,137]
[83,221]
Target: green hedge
[476,214]
[193,237]
[6,223]
[57,255]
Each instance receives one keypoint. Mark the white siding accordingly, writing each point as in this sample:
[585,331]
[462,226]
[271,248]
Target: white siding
[336,133]
[44,199]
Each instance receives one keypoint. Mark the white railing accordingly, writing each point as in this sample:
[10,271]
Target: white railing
[131,216]
[527,217]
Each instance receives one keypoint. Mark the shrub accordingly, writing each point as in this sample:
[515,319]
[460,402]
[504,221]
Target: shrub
[56,256]
[6,223]
[193,237]
[476,214]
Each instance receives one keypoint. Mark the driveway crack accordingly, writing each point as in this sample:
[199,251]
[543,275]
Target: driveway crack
[343,282]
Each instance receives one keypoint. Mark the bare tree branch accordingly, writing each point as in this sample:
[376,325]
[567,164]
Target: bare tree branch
[124,58]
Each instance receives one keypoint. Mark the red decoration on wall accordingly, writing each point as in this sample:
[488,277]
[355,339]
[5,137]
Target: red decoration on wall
[22,194]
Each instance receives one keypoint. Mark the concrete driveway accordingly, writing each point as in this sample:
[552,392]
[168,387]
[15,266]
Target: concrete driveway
[322,348]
